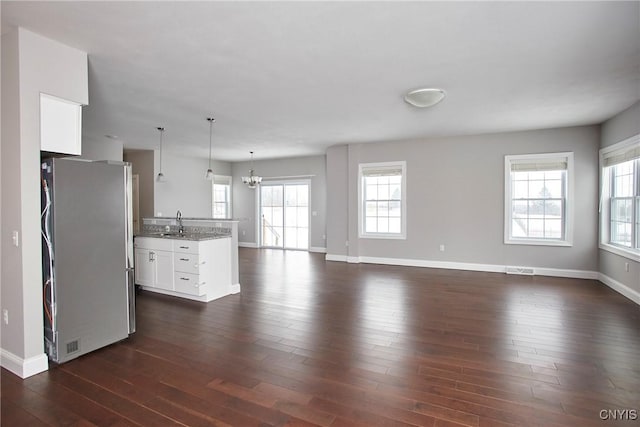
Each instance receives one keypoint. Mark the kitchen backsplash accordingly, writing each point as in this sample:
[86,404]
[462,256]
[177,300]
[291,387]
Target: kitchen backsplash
[191,225]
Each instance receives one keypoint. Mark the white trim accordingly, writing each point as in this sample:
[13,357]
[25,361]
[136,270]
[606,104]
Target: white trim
[466,266]
[234,289]
[626,253]
[621,288]
[24,367]
[569,196]
[269,178]
[537,242]
[434,264]
[247,245]
[318,249]
[565,272]
[362,234]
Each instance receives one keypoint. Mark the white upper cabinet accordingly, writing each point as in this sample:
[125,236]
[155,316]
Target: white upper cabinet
[60,125]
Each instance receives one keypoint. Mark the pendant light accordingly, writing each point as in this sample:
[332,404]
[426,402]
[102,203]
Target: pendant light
[252,180]
[209,174]
[160,177]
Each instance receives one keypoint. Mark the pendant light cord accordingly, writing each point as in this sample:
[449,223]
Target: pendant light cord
[161,129]
[210,132]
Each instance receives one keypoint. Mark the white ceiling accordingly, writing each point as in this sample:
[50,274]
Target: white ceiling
[292,78]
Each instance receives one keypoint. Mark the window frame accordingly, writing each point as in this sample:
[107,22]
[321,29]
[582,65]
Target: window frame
[362,168]
[567,226]
[606,191]
[228,180]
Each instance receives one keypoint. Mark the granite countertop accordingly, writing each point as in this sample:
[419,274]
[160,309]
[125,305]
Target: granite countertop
[185,236]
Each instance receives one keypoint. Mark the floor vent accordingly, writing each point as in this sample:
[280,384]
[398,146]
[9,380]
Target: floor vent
[525,271]
[73,346]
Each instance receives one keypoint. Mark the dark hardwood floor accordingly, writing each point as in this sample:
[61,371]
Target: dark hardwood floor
[310,342]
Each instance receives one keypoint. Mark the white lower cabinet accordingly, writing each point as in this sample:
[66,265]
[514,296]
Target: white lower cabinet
[198,270]
[164,269]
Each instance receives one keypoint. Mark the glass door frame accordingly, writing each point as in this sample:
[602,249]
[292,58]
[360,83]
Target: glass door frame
[258,200]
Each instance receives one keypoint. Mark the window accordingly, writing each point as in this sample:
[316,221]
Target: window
[620,198]
[221,191]
[538,199]
[382,196]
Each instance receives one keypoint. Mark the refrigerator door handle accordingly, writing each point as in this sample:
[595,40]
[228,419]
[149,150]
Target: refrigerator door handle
[131,289]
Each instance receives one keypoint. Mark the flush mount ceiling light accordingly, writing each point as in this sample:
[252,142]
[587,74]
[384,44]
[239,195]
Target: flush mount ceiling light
[423,98]
[209,174]
[160,177]
[252,180]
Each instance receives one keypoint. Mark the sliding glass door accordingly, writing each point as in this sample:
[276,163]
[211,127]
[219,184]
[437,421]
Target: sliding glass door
[284,215]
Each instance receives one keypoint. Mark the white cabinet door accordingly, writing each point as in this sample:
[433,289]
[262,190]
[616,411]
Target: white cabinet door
[60,125]
[164,270]
[145,267]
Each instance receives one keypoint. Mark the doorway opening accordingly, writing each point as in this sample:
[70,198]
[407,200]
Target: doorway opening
[284,215]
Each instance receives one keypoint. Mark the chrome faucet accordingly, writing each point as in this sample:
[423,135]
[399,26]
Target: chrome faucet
[179,220]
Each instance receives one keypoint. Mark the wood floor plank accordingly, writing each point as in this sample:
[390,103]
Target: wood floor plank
[315,343]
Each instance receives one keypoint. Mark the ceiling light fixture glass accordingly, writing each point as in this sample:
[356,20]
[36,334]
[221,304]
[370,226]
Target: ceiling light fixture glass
[423,98]
[252,180]
[209,174]
[160,177]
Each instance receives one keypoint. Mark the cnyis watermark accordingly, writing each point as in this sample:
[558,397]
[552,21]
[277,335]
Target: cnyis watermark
[619,414]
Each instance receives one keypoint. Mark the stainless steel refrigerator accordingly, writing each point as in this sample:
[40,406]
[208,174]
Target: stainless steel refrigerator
[87,256]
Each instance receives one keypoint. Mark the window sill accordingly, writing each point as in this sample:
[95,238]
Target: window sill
[383,236]
[537,242]
[626,253]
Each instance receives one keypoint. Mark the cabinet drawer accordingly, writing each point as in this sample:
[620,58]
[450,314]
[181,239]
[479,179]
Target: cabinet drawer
[189,284]
[185,246]
[188,263]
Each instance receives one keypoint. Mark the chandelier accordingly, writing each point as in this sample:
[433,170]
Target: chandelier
[252,180]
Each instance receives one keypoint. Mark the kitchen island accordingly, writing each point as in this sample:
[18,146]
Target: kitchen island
[195,259]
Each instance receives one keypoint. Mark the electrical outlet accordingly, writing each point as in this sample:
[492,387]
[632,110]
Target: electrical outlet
[5,316]
[15,238]
[626,267]
[441,248]
[244,232]
[346,243]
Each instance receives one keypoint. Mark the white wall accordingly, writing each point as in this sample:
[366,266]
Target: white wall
[455,197]
[105,149]
[616,129]
[31,64]
[185,188]
[244,198]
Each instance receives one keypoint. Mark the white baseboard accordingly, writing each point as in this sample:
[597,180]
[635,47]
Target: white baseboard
[619,287]
[24,367]
[490,268]
[247,244]
[434,264]
[563,272]
[318,249]
[235,289]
